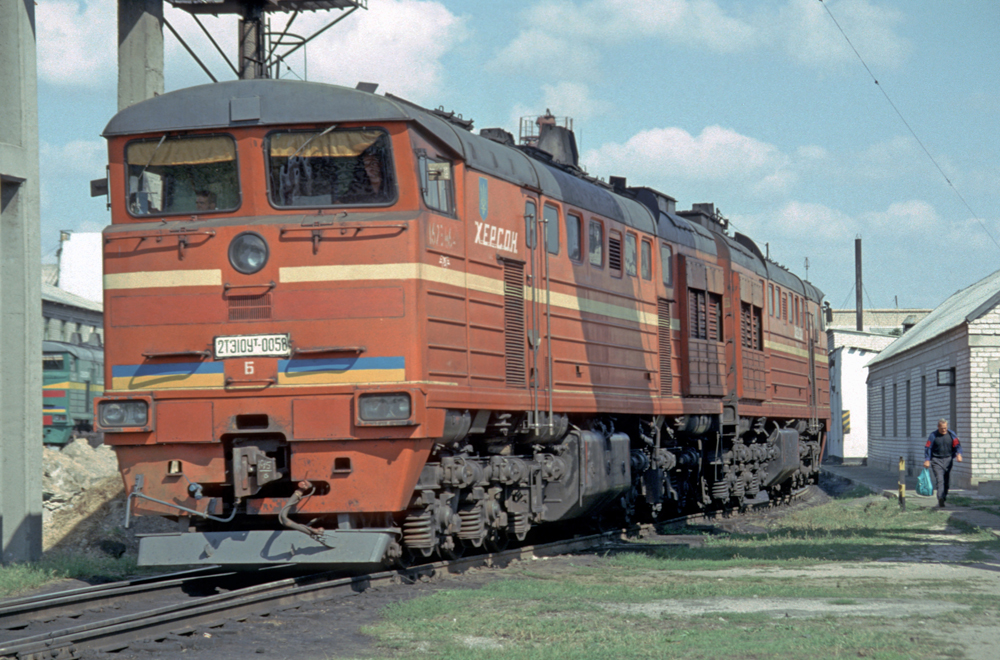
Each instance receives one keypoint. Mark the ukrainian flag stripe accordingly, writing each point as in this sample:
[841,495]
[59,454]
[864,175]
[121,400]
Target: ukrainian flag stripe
[328,371]
[341,364]
[178,375]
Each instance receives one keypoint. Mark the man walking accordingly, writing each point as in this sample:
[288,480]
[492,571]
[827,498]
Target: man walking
[942,446]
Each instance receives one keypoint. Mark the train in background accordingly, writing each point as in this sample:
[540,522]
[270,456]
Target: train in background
[72,375]
[343,329]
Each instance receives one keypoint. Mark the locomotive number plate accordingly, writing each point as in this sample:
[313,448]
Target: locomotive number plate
[252,346]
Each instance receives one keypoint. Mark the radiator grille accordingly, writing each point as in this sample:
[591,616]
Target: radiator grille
[614,253]
[250,308]
[666,376]
[513,322]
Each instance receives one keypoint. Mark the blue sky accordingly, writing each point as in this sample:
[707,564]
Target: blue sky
[758,106]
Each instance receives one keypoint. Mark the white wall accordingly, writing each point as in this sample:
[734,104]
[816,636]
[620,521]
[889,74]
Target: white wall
[80,268]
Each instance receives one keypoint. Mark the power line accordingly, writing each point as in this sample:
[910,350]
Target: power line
[908,127]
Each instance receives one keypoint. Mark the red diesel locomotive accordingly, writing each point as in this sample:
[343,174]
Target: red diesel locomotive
[343,329]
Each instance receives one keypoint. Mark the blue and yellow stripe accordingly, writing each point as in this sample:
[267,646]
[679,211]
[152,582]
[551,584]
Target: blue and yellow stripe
[342,370]
[177,375]
[202,375]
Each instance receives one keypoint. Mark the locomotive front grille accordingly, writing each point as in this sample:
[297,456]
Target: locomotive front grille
[250,308]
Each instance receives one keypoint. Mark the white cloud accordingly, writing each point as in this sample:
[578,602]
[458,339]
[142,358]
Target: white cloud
[808,34]
[77,157]
[568,34]
[76,43]
[717,154]
[397,43]
[569,99]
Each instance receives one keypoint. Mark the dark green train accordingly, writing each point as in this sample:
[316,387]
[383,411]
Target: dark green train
[72,376]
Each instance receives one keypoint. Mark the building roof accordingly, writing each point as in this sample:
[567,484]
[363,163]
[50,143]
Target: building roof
[868,341]
[962,307]
[876,318]
[57,295]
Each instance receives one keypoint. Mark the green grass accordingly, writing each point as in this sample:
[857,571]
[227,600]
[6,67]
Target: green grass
[579,612]
[18,578]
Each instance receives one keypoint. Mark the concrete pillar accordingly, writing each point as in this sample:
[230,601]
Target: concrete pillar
[140,51]
[20,289]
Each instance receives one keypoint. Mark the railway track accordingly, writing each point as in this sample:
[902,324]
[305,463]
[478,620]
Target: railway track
[26,624]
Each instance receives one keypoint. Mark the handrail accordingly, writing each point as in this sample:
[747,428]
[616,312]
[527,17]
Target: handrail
[358,350]
[204,355]
[317,228]
[160,234]
[230,382]
[227,286]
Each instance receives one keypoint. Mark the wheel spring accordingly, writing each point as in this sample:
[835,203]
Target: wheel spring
[417,532]
[720,490]
[520,525]
[473,525]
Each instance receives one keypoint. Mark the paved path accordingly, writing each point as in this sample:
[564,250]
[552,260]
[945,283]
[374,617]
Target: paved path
[882,481]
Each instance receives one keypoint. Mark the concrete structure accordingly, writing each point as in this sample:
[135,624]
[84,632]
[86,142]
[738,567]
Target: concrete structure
[20,283]
[850,353]
[948,366]
[140,51]
[81,267]
[71,318]
[878,321]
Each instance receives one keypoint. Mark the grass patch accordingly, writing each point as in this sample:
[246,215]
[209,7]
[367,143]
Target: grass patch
[855,492]
[959,500]
[18,578]
[613,608]
[528,619]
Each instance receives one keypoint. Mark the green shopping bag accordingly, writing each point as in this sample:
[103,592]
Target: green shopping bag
[925,485]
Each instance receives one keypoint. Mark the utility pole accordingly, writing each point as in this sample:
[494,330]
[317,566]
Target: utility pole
[858,298]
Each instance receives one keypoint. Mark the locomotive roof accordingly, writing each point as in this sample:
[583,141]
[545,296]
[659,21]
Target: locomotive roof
[239,103]
[282,102]
[92,353]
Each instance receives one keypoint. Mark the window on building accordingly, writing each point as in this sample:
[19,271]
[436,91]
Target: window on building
[784,307]
[573,225]
[908,410]
[883,411]
[770,300]
[895,412]
[923,406]
[596,243]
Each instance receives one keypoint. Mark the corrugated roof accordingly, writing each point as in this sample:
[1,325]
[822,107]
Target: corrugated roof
[962,307]
[57,295]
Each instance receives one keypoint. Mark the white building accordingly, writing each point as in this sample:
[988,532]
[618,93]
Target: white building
[850,353]
[947,366]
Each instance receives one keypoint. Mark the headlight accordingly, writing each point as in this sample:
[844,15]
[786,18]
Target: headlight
[123,413]
[383,407]
[248,252]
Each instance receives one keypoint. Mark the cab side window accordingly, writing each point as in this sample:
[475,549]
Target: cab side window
[573,225]
[630,255]
[529,222]
[435,179]
[551,229]
[666,263]
[646,266]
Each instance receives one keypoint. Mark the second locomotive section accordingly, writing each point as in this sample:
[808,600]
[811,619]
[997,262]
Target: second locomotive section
[344,330]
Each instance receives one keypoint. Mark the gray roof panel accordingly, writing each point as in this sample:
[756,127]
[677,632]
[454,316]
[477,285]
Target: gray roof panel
[962,307]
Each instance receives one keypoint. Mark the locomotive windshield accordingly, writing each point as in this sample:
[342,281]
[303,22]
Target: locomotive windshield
[330,168]
[188,175]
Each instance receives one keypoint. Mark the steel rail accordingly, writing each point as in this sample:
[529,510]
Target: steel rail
[117,633]
[17,612]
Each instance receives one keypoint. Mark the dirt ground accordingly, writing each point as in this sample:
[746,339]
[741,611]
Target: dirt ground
[333,629]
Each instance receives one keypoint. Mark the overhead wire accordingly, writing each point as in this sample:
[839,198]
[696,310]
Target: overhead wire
[908,127]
